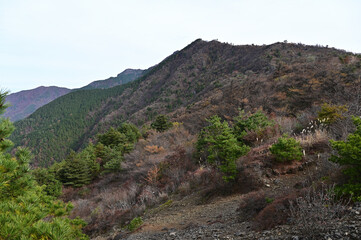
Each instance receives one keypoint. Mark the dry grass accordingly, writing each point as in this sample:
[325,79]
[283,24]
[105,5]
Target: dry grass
[287,124]
[315,141]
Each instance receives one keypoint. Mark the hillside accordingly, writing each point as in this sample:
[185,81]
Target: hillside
[24,103]
[124,77]
[203,79]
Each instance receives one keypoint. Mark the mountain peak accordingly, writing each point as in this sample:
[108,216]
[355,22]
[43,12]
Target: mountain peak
[129,71]
[126,76]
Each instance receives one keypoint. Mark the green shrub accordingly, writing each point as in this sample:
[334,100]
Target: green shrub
[46,178]
[161,123]
[269,200]
[286,149]
[218,146]
[134,224]
[330,113]
[245,123]
[113,144]
[349,154]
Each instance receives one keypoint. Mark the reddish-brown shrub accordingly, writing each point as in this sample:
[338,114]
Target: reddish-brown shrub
[256,138]
[275,213]
[152,175]
[252,203]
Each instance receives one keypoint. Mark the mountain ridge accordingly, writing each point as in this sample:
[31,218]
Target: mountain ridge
[24,103]
[124,77]
[202,79]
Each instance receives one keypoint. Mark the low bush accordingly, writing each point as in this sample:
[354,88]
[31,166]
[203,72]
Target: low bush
[286,149]
[252,203]
[317,210]
[274,213]
[134,224]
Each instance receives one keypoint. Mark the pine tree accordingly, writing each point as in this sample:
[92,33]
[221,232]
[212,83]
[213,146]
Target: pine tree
[47,178]
[75,171]
[26,211]
[161,123]
[130,131]
[217,144]
[349,155]
[112,138]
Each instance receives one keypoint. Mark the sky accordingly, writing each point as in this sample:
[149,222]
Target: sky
[70,43]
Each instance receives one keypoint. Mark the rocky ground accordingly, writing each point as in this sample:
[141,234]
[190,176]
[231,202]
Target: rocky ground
[225,226]
[194,217]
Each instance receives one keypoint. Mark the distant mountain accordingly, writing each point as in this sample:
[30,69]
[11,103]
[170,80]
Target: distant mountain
[203,79]
[24,103]
[124,77]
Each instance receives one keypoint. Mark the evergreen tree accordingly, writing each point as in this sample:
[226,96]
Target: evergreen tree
[244,123]
[89,158]
[75,171]
[349,155]
[130,131]
[112,138]
[46,178]
[161,123]
[217,144]
[26,211]
[79,169]
[113,144]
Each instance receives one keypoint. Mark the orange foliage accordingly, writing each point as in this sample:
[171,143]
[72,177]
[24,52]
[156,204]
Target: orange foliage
[152,175]
[153,149]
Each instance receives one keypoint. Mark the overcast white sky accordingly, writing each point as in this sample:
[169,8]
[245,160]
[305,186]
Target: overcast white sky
[70,43]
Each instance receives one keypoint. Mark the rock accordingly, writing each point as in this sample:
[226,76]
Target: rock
[276,181]
[172,234]
[119,236]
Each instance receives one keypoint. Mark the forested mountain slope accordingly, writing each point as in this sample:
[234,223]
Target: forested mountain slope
[24,103]
[203,79]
